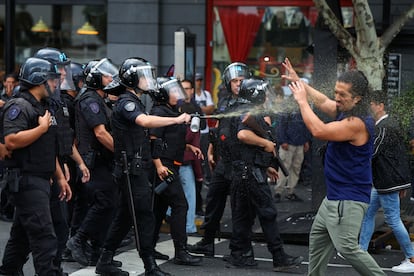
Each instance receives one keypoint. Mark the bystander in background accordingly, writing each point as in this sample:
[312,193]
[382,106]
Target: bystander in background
[391,175]
[205,101]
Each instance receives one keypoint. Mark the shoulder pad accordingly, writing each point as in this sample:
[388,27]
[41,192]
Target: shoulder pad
[130,106]
[14,107]
[94,106]
[13,112]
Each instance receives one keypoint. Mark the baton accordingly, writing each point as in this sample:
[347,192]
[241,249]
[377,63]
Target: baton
[131,199]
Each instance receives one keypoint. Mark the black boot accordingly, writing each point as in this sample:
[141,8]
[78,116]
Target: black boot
[182,257]
[105,267]
[76,245]
[284,262]
[241,260]
[151,267]
[93,252]
[4,271]
[67,256]
[202,247]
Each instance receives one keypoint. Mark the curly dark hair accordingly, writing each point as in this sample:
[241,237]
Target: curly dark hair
[359,87]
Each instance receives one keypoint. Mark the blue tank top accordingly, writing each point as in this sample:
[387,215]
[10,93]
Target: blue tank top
[348,172]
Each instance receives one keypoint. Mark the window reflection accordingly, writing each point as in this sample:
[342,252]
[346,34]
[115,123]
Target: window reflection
[283,32]
[63,21]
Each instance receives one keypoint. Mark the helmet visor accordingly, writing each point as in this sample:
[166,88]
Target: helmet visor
[236,70]
[105,67]
[66,80]
[174,89]
[146,78]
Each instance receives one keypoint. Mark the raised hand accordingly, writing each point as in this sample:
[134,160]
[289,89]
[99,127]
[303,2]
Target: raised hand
[298,91]
[291,73]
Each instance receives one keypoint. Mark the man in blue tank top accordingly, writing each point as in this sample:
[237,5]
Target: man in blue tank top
[347,168]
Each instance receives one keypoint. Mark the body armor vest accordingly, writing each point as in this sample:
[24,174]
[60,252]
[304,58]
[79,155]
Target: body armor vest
[128,136]
[85,136]
[173,135]
[253,155]
[64,131]
[38,158]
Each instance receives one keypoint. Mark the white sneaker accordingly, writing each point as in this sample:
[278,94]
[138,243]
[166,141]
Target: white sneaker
[406,266]
[411,198]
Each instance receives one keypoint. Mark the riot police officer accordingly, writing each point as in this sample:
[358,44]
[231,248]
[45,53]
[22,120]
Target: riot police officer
[60,112]
[220,160]
[131,141]
[28,133]
[95,144]
[167,161]
[250,192]
[68,96]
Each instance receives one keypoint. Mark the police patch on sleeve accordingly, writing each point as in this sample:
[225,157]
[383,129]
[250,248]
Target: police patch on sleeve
[130,106]
[94,107]
[13,112]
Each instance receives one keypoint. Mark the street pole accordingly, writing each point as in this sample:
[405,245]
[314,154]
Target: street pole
[9,37]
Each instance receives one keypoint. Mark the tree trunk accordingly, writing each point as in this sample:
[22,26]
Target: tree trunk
[373,68]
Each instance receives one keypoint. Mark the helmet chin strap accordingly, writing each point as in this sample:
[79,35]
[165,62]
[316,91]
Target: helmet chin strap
[138,91]
[49,91]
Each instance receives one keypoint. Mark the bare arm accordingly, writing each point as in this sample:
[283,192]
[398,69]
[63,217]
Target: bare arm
[250,138]
[4,152]
[81,164]
[321,101]
[210,156]
[151,121]
[24,138]
[104,137]
[350,129]
[65,191]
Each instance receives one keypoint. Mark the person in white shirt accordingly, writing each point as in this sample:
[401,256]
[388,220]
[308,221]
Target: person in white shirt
[205,102]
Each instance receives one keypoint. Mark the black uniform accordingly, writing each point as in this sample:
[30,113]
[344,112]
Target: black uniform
[223,140]
[134,140]
[219,187]
[74,181]
[32,229]
[250,194]
[60,114]
[172,155]
[6,205]
[99,197]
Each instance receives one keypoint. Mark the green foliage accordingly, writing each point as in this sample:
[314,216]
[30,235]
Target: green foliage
[403,108]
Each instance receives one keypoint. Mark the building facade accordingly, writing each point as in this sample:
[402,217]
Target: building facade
[259,33]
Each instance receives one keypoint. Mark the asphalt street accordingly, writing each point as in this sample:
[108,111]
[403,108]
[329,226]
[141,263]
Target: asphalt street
[216,266]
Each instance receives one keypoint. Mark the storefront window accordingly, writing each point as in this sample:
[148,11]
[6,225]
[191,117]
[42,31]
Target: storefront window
[39,26]
[262,36]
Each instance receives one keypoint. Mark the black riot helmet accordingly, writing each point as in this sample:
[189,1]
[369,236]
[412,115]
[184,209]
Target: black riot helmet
[137,73]
[96,69]
[53,55]
[78,75]
[62,62]
[232,71]
[169,87]
[36,71]
[255,90]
